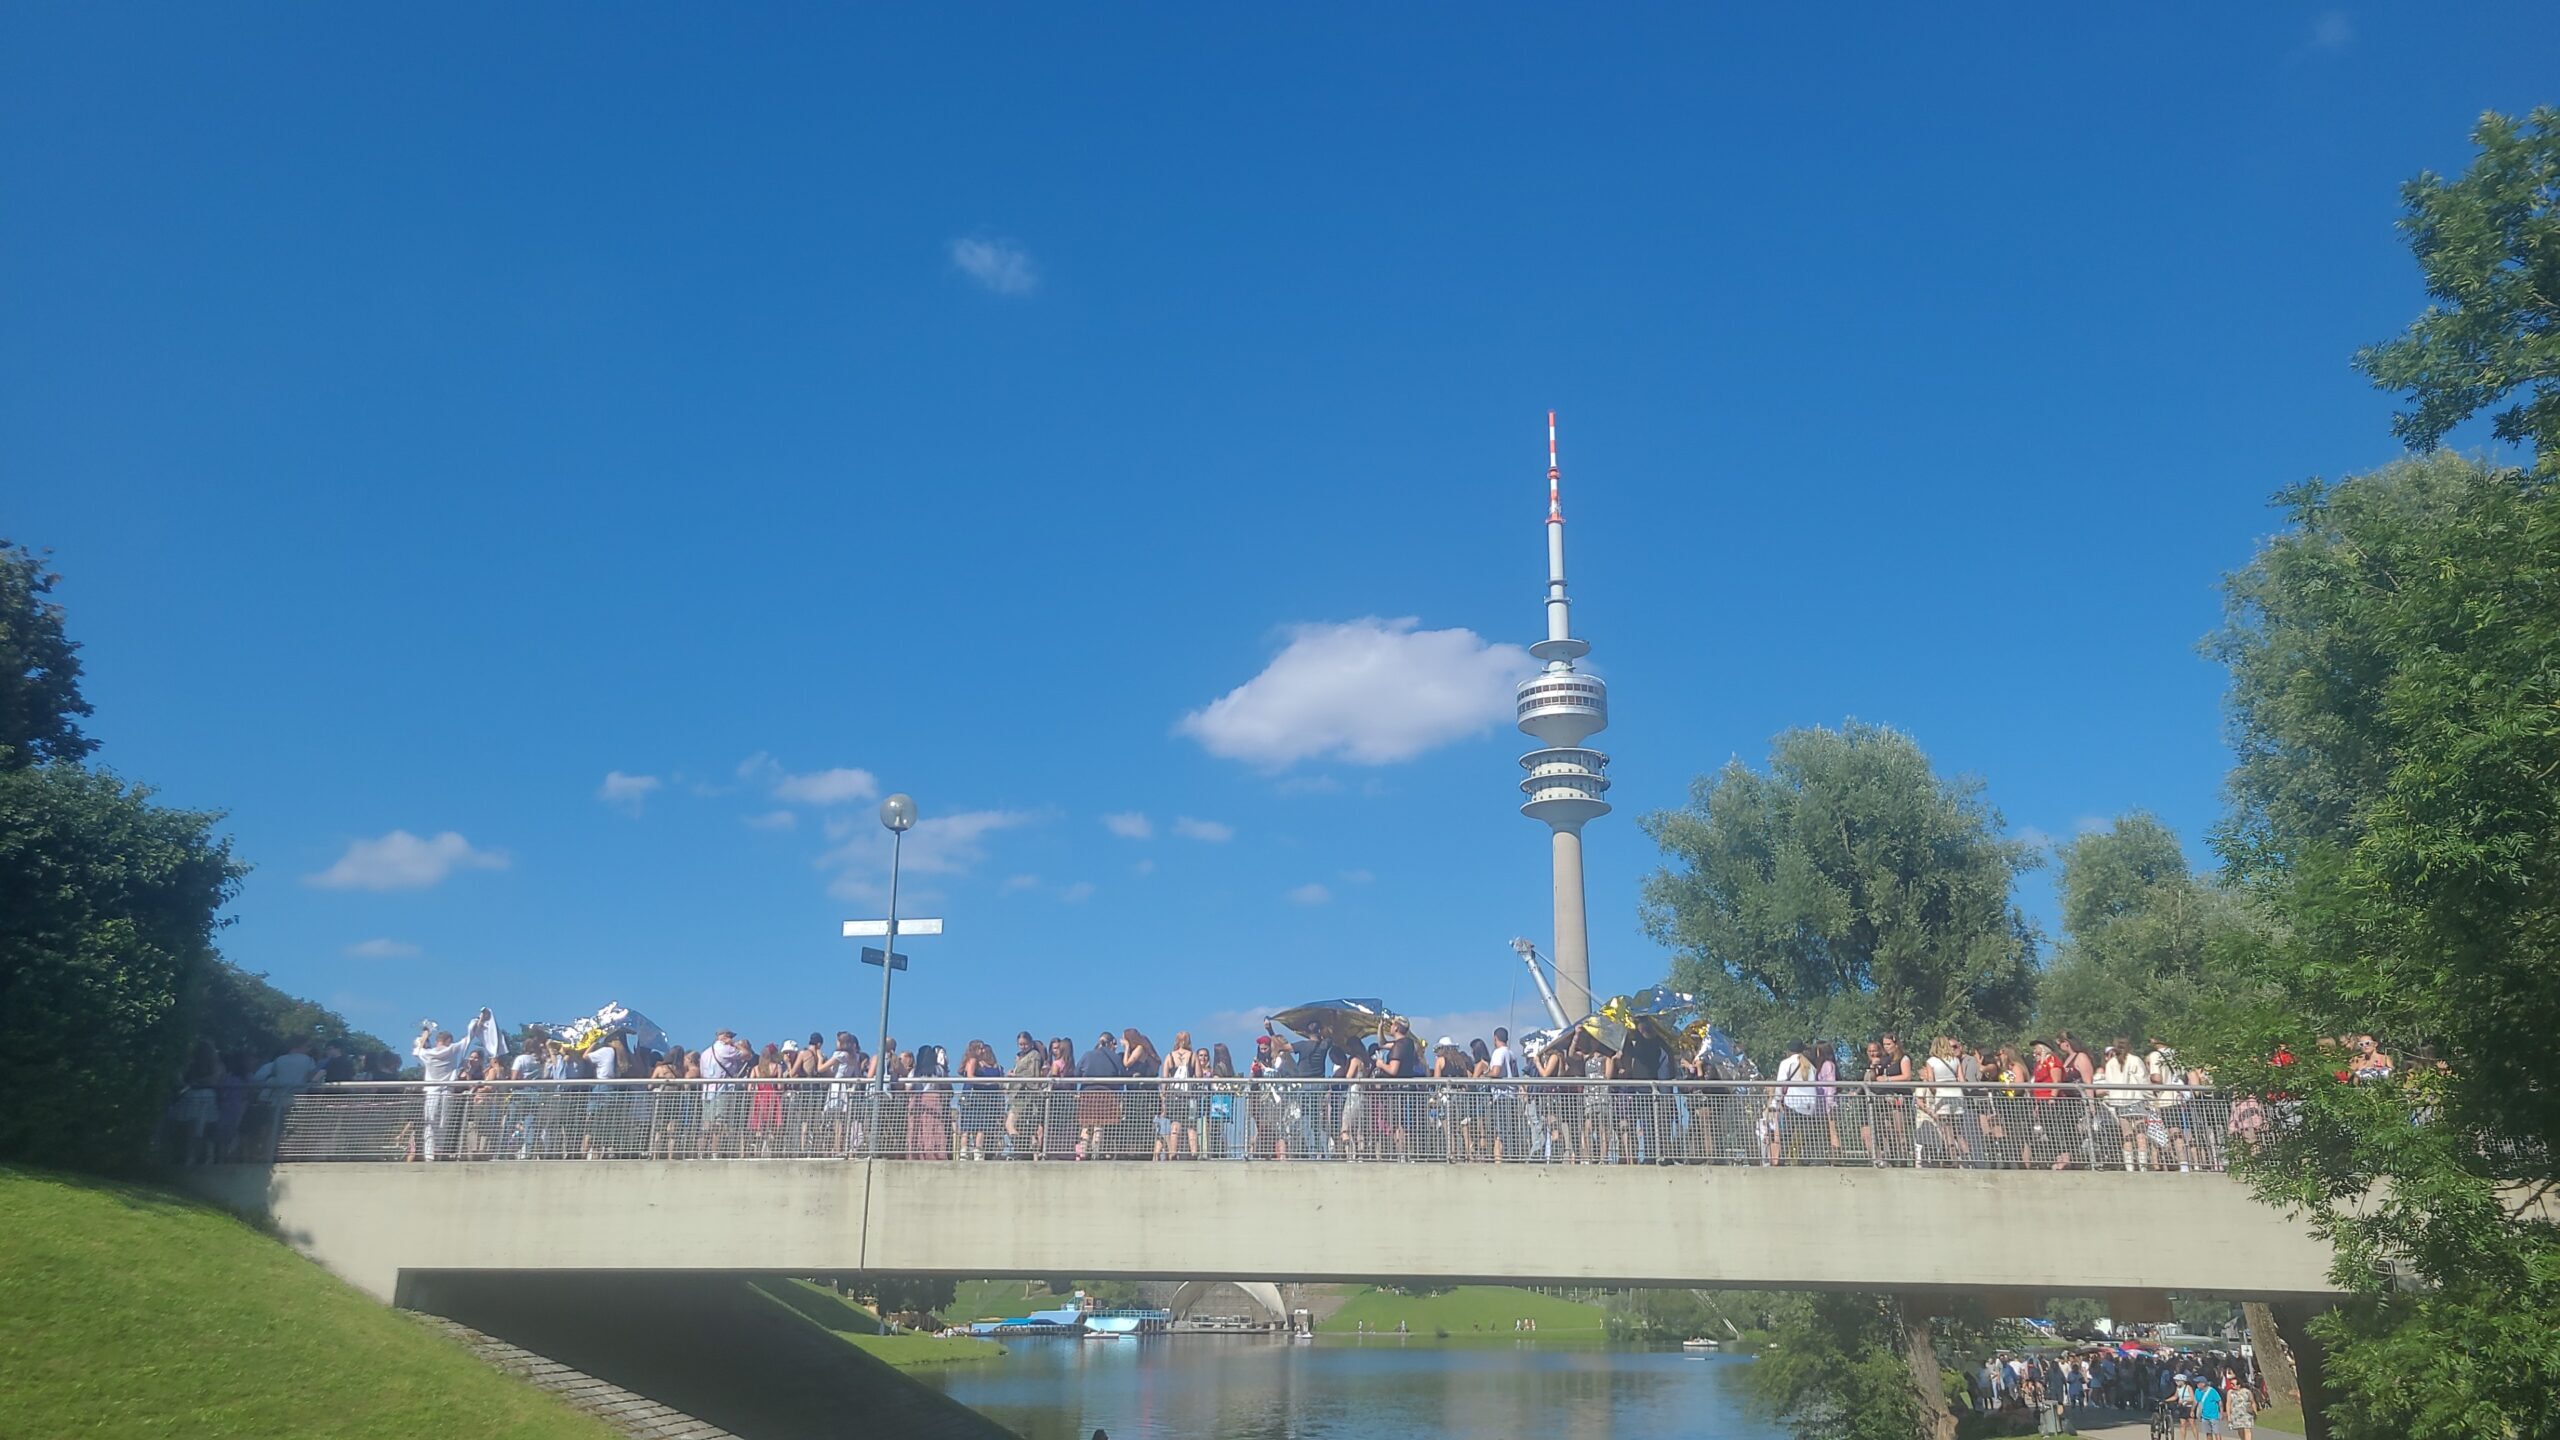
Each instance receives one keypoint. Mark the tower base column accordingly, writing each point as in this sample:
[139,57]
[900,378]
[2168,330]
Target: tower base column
[1573,932]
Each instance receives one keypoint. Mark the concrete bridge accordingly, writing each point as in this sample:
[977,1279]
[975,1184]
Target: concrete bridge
[391,1227]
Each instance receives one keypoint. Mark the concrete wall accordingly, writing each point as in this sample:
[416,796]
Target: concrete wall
[2044,1233]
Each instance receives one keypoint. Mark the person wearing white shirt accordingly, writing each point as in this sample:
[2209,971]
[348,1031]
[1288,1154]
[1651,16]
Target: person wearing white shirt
[523,1104]
[1505,1119]
[439,1062]
[1798,1100]
[291,1070]
[1942,1108]
[282,1078]
[724,1059]
[484,1035]
[2126,1083]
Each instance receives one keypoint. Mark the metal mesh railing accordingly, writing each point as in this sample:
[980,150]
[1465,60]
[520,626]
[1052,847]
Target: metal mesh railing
[1984,1126]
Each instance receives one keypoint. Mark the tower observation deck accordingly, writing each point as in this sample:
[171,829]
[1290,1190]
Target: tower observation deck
[1560,708]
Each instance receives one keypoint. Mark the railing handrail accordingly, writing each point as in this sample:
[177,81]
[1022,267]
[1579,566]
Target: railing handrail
[2006,1088]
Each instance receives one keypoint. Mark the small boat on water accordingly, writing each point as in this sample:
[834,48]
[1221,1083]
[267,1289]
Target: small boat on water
[1699,1345]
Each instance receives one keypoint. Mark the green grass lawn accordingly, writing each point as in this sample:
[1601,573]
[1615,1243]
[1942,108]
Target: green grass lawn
[1000,1299]
[856,1326]
[2283,1415]
[128,1311]
[1467,1312]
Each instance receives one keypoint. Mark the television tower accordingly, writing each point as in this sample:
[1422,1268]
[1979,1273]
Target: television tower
[1560,708]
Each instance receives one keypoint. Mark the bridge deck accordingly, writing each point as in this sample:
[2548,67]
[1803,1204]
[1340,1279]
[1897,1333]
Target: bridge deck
[2068,1232]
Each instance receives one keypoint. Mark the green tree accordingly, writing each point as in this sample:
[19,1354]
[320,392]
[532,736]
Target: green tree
[1865,1367]
[242,1014]
[2395,701]
[2489,245]
[106,933]
[40,704]
[2140,931]
[911,1294]
[1847,889]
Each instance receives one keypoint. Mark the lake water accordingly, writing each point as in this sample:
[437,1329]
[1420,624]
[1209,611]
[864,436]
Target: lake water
[1213,1387]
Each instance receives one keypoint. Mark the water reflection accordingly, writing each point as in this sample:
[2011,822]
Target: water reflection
[1253,1389]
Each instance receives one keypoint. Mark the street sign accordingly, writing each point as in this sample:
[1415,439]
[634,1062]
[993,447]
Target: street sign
[857,928]
[871,956]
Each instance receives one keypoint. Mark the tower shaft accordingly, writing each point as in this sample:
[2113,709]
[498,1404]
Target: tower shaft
[1573,931]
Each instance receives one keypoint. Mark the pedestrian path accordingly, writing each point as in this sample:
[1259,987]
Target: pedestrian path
[2141,1430]
[637,1416]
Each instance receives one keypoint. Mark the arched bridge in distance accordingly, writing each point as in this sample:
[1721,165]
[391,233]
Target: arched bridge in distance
[1980,1212]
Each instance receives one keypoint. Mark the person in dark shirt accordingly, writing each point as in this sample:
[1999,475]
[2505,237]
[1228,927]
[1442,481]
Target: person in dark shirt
[1097,1106]
[1402,1062]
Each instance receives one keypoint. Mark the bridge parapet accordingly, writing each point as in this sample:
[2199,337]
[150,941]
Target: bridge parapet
[2068,1232]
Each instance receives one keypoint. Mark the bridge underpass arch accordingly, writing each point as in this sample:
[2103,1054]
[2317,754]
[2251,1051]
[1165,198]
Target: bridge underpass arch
[1256,1302]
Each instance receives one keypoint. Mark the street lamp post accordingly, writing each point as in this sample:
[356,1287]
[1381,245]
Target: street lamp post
[898,813]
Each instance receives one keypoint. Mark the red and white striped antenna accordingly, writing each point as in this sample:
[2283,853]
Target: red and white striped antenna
[1555,506]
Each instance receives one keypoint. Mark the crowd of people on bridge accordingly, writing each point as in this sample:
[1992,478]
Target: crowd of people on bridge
[2055,1104]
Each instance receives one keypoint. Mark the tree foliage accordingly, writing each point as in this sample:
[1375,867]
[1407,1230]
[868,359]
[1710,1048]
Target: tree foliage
[1836,1368]
[40,703]
[1847,889]
[2395,704]
[2489,245]
[107,930]
[244,1015]
[2140,935]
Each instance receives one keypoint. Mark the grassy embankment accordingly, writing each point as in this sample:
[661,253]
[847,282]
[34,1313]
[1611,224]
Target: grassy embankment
[1001,1299]
[856,1326]
[1467,1312]
[129,1311]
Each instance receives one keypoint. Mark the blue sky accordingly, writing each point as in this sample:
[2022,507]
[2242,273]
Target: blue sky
[544,469]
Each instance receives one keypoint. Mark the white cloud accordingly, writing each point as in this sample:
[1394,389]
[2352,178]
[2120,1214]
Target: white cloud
[1129,825]
[628,791]
[938,845]
[1000,265]
[1246,1020]
[1211,831]
[1020,882]
[382,950]
[827,787]
[772,820]
[1145,867]
[1369,691]
[1311,893]
[2332,31]
[1358,877]
[2032,836]
[2090,824]
[1077,893]
[402,861]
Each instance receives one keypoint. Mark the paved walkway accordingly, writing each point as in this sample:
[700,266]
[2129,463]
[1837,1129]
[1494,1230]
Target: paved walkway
[637,1416]
[2141,1430]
